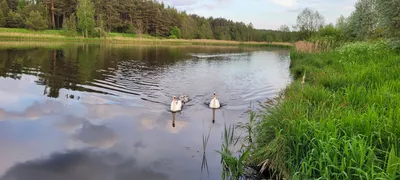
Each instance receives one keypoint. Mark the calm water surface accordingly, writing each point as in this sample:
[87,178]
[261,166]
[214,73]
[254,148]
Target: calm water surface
[100,112]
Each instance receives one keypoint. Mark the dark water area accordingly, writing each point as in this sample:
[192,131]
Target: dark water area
[100,112]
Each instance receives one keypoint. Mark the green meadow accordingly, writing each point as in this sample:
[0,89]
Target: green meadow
[339,119]
[18,34]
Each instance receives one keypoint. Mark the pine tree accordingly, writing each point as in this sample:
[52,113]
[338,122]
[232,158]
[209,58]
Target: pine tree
[12,4]
[4,7]
[14,20]
[35,21]
[2,19]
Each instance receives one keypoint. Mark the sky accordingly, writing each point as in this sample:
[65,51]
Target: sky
[264,14]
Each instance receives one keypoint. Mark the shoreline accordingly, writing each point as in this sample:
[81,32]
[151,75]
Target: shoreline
[10,34]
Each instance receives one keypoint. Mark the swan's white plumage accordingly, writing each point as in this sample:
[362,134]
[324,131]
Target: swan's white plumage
[176,105]
[215,103]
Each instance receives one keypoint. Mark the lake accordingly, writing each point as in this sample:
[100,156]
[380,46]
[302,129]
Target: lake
[101,111]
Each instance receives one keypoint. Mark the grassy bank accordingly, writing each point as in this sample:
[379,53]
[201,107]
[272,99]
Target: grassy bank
[65,36]
[343,122]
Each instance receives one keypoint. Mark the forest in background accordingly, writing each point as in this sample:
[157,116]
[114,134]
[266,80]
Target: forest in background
[94,18]
[371,19]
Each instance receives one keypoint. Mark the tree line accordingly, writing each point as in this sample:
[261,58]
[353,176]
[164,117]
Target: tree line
[96,17]
[371,19]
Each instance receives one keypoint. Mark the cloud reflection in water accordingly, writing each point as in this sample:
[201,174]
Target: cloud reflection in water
[82,165]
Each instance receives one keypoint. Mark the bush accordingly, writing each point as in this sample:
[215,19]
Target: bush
[175,31]
[131,29]
[394,43]
[98,32]
[14,20]
[172,37]
[35,21]
[363,51]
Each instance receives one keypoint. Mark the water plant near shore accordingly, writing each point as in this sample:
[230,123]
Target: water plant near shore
[204,164]
[233,163]
[342,123]
[234,160]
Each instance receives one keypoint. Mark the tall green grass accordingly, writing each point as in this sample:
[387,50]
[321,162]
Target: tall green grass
[233,163]
[344,123]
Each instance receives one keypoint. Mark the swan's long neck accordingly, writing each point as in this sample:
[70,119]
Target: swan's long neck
[215,101]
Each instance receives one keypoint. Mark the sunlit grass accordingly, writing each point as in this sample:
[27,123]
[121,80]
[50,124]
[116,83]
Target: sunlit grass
[343,122]
[64,35]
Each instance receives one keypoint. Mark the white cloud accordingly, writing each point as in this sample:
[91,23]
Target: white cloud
[285,3]
[99,136]
[177,3]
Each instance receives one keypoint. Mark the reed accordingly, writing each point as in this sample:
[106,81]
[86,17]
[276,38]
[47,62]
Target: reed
[248,127]
[343,122]
[316,46]
[233,163]
[204,164]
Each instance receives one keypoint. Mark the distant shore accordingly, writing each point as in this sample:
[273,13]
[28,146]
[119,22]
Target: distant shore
[13,34]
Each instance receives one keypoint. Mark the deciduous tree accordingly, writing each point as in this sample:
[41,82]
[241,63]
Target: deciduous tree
[390,13]
[363,22]
[308,22]
[85,15]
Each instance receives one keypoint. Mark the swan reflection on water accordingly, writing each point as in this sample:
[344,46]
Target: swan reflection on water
[173,119]
[213,116]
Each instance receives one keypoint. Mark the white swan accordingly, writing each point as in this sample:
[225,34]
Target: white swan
[176,105]
[214,104]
